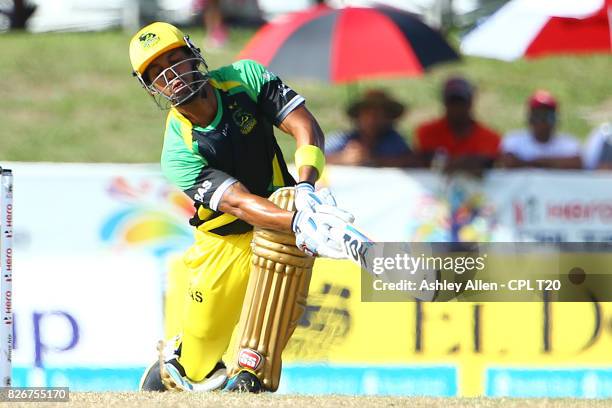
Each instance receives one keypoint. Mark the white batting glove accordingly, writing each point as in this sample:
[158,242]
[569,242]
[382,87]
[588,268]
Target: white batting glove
[314,234]
[307,198]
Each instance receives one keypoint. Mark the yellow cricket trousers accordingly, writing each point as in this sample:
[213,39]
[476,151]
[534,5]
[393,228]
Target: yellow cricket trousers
[217,276]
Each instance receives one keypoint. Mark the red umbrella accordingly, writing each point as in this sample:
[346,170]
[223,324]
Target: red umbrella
[524,28]
[590,34]
[348,44]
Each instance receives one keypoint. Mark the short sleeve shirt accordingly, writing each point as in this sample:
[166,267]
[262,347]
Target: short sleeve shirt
[598,148]
[238,145]
[391,144]
[523,145]
[437,135]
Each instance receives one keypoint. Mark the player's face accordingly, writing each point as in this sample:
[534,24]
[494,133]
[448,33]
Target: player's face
[171,73]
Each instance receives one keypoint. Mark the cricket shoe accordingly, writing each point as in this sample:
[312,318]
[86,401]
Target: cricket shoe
[244,381]
[167,374]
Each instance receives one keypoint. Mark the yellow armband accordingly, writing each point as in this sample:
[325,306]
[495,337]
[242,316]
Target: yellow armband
[310,155]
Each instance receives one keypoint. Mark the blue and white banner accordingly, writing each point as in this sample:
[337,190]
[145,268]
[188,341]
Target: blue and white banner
[552,382]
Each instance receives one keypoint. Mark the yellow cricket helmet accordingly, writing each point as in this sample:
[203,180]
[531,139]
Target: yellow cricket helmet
[152,41]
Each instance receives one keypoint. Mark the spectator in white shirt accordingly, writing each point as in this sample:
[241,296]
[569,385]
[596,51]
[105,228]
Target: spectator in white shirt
[597,153]
[541,145]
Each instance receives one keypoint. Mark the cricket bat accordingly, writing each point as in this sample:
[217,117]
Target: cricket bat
[362,250]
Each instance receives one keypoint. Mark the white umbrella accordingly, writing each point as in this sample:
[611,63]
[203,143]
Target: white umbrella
[531,28]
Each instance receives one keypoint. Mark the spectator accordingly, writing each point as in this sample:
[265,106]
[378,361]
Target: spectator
[597,153]
[19,14]
[212,19]
[541,145]
[457,140]
[373,141]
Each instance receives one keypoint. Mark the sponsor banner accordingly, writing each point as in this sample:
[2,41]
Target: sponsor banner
[426,380]
[131,207]
[407,206]
[76,208]
[339,329]
[79,378]
[93,309]
[92,245]
[549,382]
[551,206]
[369,380]
[504,206]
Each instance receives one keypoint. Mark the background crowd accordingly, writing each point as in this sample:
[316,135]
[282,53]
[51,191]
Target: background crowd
[391,124]
[459,141]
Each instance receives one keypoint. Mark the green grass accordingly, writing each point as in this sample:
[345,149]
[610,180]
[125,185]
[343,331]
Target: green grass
[70,97]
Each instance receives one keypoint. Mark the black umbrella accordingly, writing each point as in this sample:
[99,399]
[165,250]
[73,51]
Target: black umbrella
[348,44]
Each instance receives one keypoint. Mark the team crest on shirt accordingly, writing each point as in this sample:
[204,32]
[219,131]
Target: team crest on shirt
[245,121]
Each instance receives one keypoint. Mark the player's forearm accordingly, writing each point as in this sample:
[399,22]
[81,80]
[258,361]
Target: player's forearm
[311,135]
[305,129]
[260,212]
[254,210]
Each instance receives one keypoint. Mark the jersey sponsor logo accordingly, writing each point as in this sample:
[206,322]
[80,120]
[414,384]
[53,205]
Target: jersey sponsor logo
[284,89]
[196,295]
[245,121]
[206,185]
[249,359]
[148,40]
[268,76]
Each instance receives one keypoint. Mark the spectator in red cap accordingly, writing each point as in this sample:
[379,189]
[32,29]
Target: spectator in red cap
[457,138]
[541,145]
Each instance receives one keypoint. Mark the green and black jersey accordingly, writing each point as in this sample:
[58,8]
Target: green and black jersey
[238,145]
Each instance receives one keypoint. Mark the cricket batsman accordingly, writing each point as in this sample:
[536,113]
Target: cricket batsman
[255,239]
